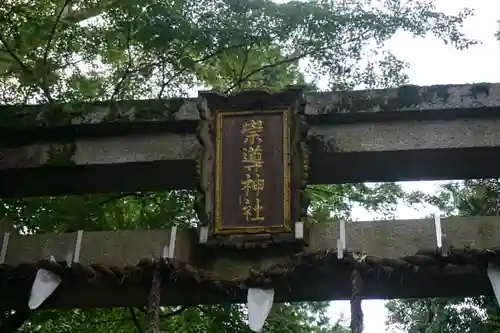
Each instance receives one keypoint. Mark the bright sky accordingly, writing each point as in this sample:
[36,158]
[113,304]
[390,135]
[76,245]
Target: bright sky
[434,63]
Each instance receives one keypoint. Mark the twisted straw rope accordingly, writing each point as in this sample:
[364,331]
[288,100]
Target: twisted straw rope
[153,313]
[356,311]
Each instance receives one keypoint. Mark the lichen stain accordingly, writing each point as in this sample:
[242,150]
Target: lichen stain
[480,89]
[485,230]
[31,156]
[318,144]
[126,111]
[407,97]
[187,146]
[61,154]
[150,110]
[90,113]
[18,118]
[437,93]
[95,117]
[188,111]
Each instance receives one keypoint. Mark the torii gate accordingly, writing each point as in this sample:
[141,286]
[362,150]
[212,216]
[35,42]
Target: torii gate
[407,133]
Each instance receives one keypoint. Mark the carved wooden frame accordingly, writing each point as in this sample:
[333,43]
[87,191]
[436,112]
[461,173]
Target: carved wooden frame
[292,103]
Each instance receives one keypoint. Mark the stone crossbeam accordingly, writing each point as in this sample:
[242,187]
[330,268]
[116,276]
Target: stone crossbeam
[393,239]
[406,133]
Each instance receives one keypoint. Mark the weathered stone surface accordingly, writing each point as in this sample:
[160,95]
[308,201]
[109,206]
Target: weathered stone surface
[97,113]
[363,137]
[404,98]
[408,135]
[392,239]
[155,141]
[387,239]
[116,248]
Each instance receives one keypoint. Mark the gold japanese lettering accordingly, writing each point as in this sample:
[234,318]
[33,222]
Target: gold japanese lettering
[252,161]
[252,156]
[252,213]
[256,184]
[252,129]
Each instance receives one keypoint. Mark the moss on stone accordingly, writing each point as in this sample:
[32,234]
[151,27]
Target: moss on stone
[100,112]
[363,102]
[61,154]
[479,89]
[113,112]
[15,116]
[358,101]
[433,93]
[408,95]
[56,115]
[145,110]
[318,144]
[151,113]
[405,97]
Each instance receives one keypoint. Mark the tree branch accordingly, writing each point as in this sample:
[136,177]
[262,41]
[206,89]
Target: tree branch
[244,64]
[276,64]
[13,55]
[48,46]
[127,70]
[23,67]
[165,83]
[135,320]
[205,58]
[83,14]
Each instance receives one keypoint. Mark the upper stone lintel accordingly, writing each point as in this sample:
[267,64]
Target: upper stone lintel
[404,98]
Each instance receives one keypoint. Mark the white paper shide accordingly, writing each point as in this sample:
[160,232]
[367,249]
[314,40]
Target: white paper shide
[259,303]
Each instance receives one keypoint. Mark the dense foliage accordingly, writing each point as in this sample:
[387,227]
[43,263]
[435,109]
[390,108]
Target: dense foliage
[125,49]
[84,50]
[473,315]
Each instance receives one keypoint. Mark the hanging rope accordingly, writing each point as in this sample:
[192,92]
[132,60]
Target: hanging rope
[356,311]
[153,315]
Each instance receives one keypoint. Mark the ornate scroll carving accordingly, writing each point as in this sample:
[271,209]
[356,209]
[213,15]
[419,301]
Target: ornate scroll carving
[204,204]
[300,162]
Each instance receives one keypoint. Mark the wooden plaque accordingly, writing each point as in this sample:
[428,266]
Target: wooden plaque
[253,164]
